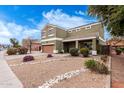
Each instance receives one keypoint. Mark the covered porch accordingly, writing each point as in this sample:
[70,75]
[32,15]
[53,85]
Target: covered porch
[87,43]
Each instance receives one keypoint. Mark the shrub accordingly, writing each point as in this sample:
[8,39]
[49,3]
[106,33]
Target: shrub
[84,51]
[118,51]
[28,58]
[49,55]
[101,68]
[74,52]
[91,64]
[104,58]
[11,51]
[122,49]
[96,66]
[22,50]
[60,51]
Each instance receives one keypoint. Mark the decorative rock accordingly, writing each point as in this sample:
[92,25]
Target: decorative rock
[59,78]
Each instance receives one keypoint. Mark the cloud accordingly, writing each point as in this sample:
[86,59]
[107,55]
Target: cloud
[32,21]
[4,32]
[81,13]
[58,17]
[11,29]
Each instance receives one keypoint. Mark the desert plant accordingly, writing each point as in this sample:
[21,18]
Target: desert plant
[22,50]
[84,52]
[74,52]
[28,58]
[118,51]
[104,58]
[49,55]
[91,64]
[101,68]
[11,51]
[96,66]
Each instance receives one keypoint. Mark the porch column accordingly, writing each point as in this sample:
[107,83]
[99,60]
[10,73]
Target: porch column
[94,44]
[94,52]
[76,43]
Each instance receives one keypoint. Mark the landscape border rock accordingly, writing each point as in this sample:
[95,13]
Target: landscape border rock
[62,77]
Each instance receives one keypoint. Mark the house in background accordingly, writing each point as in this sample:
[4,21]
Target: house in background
[56,39]
[35,44]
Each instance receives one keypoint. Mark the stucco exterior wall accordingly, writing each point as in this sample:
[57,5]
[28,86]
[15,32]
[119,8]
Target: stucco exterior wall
[60,33]
[95,29]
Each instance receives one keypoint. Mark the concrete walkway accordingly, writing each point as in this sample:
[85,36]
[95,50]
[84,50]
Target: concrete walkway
[7,77]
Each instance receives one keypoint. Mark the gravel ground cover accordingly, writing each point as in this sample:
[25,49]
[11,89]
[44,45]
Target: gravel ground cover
[37,74]
[84,80]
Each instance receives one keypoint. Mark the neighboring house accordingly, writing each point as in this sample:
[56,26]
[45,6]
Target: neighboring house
[56,39]
[116,42]
[35,44]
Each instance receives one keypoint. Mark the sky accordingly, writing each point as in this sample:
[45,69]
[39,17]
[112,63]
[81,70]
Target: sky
[27,20]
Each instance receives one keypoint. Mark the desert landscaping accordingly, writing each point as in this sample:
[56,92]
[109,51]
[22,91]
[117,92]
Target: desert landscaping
[41,70]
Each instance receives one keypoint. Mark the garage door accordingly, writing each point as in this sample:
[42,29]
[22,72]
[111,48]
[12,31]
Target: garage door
[47,48]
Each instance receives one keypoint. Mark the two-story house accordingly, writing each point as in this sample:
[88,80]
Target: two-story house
[56,39]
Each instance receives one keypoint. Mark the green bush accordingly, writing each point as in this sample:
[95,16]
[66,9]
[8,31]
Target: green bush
[122,49]
[84,51]
[22,50]
[91,64]
[11,51]
[96,66]
[118,51]
[74,52]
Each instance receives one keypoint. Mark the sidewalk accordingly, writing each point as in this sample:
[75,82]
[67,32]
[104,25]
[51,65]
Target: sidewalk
[117,71]
[7,77]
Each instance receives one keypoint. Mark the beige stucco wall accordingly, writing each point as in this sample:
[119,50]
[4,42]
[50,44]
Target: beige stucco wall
[58,45]
[61,33]
[46,29]
[95,29]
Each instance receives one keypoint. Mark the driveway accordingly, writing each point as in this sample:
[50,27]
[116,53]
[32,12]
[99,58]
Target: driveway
[118,71]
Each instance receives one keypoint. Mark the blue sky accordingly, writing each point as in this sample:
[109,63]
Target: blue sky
[27,21]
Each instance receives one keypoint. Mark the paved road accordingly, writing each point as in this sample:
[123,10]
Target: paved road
[118,71]
[7,77]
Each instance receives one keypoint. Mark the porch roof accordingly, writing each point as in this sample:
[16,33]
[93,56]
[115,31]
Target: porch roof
[80,37]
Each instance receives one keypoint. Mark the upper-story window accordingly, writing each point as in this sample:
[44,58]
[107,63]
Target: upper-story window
[77,29]
[88,27]
[51,32]
[70,31]
[44,34]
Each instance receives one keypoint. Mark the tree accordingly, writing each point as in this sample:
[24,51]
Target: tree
[110,16]
[14,42]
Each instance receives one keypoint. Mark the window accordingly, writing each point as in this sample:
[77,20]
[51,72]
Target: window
[44,34]
[78,29]
[70,31]
[51,32]
[88,27]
